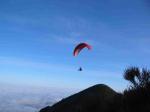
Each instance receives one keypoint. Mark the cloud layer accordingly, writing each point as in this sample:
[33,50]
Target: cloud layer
[28,99]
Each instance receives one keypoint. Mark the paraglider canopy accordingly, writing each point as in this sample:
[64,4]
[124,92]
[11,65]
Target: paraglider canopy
[79,47]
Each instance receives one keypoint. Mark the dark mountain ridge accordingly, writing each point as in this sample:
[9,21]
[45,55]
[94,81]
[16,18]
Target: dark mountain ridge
[94,99]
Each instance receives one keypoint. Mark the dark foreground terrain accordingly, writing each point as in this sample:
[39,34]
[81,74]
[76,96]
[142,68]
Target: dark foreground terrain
[98,98]
[101,98]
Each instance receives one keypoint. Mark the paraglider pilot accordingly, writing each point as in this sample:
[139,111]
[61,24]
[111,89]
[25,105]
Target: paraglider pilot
[78,48]
[80,69]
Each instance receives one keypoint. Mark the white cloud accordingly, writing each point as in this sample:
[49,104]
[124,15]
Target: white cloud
[28,63]
[28,99]
[89,76]
[44,65]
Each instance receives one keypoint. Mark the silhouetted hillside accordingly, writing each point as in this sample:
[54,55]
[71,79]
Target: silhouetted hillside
[101,98]
[136,100]
[98,98]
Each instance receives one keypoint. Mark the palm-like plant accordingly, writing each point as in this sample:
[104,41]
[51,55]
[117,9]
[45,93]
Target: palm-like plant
[131,73]
[136,77]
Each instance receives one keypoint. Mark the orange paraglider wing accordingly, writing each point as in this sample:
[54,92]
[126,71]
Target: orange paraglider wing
[79,47]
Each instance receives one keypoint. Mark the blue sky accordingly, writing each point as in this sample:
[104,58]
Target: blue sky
[37,38]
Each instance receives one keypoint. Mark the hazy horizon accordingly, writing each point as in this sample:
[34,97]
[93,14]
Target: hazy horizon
[18,98]
[37,39]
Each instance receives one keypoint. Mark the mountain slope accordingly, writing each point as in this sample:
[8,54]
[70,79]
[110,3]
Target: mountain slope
[94,99]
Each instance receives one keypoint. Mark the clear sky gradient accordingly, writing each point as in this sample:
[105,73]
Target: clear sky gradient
[37,38]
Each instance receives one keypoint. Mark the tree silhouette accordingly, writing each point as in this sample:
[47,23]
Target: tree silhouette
[131,73]
[136,77]
[136,98]
[145,78]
